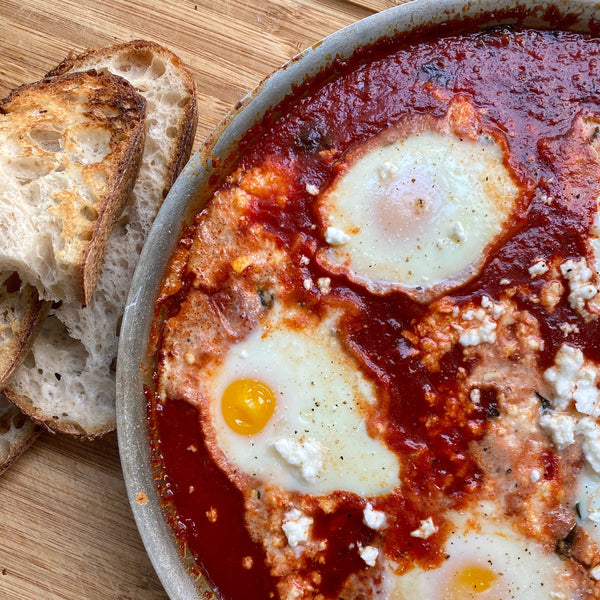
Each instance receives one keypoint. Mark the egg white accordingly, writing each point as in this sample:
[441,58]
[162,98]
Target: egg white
[521,569]
[418,213]
[316,442]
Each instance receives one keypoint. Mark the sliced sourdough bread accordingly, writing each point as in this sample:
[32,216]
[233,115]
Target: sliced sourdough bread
[67,380]
[17,433]
[70,150]
[21,314]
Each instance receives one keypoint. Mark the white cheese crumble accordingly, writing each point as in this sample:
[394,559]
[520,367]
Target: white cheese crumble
[469,315]
[304,260]
[296,527]
[307,283]
[457,233]
[535,476]
[369,554]
[560,428]
[483,328]
[568,328]
[579,276]
[336,237]
[304,454]
[538,268]
[475,395]
[375,519]
[496,310]
[324,285]
[312,189]
[386,170]
[484,332]
[425,530]
[505,282]
[573,379]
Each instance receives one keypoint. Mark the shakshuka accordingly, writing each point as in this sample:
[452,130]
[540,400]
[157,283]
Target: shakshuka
[378,343]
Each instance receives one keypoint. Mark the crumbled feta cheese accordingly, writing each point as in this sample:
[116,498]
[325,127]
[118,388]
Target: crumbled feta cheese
[304,260]
[484,325]
[312,189]
[375,519]
[307,283]
[296,527]
[475,395]
[457,233]
[425,530]
[590,432]
[538,268]
[579,276]
[535,343]
[484,332]
[304,454]
[336,237]
[244,353]
[572,379]
[587,399]
[369,554]
[560,427]
[386,170]
[535,476]
[505,282]
[496,310]
[551,294]
[324,285]
[568,328]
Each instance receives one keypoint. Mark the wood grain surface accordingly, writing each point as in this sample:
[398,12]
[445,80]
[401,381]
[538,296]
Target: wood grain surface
[66,529]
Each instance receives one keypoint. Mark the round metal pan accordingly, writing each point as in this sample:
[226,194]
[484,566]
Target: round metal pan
[134,363]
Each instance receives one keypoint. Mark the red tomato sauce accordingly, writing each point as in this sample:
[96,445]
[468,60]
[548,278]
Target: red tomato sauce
[531,85]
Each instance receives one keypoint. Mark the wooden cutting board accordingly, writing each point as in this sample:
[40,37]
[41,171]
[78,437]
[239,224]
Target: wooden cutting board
[66,528]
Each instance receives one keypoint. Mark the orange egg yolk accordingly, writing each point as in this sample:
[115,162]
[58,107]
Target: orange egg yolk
[247,406]
[471,581]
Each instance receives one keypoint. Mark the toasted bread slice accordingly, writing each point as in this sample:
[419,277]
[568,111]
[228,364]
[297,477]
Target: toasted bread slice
[70,149]
[17,433]
[21,314]
[67,380]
